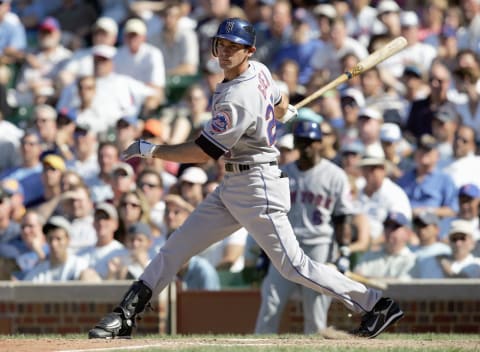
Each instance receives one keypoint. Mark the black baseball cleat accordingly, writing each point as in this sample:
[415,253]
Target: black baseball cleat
[385,312]
[120,322]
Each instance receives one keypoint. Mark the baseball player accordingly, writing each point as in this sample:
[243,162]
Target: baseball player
[253,194]
[321,200]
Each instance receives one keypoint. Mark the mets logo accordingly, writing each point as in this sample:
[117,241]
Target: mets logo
[229,26]
[221,122]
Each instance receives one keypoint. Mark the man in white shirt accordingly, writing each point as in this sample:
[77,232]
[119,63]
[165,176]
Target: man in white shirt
[116,95]
[142,61]
[380,194]
[104,31]
[61,265]
[107,247]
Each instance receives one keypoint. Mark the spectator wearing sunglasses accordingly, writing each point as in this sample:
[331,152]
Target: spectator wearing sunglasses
[461,263]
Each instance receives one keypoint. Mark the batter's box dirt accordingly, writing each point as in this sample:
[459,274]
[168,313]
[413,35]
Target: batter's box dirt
[328,339]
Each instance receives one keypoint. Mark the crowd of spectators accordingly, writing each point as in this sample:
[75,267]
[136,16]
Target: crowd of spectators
[81,80]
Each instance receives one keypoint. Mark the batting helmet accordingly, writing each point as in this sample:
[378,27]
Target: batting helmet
[308,130]
[234,30]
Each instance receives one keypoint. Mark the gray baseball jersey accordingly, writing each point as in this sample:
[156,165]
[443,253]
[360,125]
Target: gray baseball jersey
[317,194]
[243,123]
[242,130]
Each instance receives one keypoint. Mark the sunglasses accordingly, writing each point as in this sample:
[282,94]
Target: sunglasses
[458,237]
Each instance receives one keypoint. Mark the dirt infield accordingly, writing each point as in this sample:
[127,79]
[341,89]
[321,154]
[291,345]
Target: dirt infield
[169,344]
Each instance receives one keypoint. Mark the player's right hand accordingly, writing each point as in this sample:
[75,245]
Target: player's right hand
[291,113]
[140,148]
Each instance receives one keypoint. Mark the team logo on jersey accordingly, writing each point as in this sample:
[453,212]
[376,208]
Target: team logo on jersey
[221,122]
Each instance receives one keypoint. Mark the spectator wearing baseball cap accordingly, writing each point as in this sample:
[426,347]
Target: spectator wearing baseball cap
[461,263]
[43,64]
[44,117]
[379,193]
[469,202]
[140,60]
[85,161]
[396,149]
[394,259]
[191,183]
[104,32]
[61,265]
[444,125]
[350,154]
[426,226]
[105,223]
[131,263]
[53,167]
[425,185]
[351,101]
[370,120]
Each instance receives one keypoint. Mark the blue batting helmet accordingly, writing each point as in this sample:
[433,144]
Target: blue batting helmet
[308,130]
[235,30]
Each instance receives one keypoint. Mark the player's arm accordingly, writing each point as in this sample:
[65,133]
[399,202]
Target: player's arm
[188,152]
[284,112]
[343,233]
[343,229]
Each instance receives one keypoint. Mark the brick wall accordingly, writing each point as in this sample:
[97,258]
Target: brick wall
[68,308]
[430,306]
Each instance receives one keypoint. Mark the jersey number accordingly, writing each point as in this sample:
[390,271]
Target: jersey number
[263,84]
[271,125]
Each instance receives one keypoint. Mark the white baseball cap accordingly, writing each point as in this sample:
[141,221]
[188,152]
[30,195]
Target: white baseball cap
[372,113]
[135,25]
[326,10]
[461,226]
[387,6]
[105,51]
[373,155]
[408,19]
[194,174]
[355,94]
[107,24]
[390,132]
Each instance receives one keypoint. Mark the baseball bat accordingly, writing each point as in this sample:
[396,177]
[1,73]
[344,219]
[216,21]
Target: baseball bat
[366,64]
[368,281]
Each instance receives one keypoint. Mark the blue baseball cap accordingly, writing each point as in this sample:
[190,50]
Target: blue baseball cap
[140,228]
[355,147]
[397,218]
[469,190]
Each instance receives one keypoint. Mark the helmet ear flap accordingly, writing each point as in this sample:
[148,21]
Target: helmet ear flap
[214,47]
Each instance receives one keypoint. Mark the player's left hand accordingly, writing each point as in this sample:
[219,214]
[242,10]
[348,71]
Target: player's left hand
[291,113]
[139,148]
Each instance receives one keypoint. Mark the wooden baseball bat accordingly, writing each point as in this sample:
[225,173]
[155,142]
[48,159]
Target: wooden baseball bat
[366,64]
[368,281]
